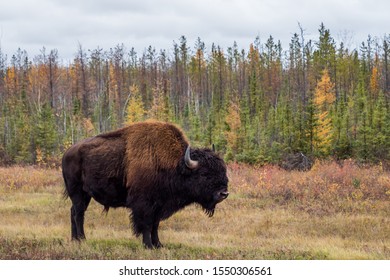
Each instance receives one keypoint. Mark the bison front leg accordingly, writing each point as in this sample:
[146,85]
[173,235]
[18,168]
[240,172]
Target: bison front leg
[147,238]
[155,240]
[143,224]
[150,236]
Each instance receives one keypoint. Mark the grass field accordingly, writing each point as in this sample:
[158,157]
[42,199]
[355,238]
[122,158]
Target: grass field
[330,212]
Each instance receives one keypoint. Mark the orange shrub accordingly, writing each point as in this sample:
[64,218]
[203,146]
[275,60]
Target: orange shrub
[29,178]
[327,186]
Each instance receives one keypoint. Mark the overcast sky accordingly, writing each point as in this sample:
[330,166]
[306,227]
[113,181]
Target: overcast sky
[63,24]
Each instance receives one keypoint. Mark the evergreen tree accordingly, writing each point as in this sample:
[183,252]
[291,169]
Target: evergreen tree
[311,124]
[342,145]
[45,134]
[380,135]
[233,124]
[364,140]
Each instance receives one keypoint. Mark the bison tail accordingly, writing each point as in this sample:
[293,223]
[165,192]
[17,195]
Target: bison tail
[65,194]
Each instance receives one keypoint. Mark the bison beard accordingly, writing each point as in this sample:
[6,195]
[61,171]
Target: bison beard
[147,167]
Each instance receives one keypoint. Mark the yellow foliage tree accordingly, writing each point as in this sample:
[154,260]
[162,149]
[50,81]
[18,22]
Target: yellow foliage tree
[135,107]
[160,107]
[374,81]
[324,98]
[11,80]
[89,128]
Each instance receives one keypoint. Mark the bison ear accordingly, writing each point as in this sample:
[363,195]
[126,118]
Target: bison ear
[191,164]
[213,147]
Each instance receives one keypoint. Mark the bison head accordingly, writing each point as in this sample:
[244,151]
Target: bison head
[207,178]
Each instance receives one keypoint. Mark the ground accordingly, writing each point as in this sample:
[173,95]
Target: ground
[331,212]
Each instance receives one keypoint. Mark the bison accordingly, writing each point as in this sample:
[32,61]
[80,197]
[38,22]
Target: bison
[147,167]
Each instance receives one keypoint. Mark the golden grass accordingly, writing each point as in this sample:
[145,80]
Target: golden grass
[330,212]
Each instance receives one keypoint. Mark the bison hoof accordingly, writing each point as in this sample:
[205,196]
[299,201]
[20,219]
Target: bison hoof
[158,245]
[148,246]
[153,246]
[78,239]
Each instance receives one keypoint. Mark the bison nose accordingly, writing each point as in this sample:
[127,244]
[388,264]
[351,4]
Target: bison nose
[224,194]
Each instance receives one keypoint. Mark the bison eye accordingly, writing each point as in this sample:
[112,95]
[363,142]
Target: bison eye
[223,187]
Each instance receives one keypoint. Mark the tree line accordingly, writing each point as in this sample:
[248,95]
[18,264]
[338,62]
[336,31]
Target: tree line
[256,105]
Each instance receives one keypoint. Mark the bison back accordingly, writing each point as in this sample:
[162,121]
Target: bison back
[152,148]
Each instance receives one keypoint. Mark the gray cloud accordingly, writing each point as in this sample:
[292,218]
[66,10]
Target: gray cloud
[63,25]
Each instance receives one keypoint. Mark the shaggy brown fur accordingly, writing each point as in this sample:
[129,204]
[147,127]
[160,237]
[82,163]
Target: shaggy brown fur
[152,147]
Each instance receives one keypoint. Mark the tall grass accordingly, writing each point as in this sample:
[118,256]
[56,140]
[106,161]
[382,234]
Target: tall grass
[331,212]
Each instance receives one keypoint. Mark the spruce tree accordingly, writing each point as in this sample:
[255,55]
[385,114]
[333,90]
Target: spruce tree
[45,134]
[379,133]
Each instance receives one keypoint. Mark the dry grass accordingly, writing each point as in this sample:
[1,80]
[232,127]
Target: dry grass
[330,212]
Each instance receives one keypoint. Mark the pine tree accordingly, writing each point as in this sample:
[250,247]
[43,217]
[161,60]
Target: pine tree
[325,55]
[233,124]
[20,140]
[311,124]
[364,138]
[379,133]
[362,121]
[46,135]
[342,142]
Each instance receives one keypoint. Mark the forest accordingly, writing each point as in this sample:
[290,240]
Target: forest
[256,105]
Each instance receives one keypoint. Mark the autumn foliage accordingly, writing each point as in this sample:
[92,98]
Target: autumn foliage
[324,97]
[328,188]
[257,105]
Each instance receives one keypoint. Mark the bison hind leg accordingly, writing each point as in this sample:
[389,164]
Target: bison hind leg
[80,204]
[73,223]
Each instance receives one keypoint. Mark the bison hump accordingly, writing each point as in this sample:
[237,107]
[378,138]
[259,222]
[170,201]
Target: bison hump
[153,146]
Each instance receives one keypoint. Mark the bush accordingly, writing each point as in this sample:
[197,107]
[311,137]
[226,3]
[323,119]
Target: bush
[297,161]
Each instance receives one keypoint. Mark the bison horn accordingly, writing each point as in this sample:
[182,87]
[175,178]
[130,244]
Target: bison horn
[191,164]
